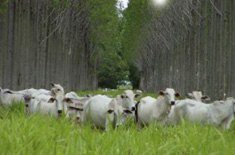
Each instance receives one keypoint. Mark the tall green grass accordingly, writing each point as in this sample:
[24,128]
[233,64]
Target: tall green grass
[37,134]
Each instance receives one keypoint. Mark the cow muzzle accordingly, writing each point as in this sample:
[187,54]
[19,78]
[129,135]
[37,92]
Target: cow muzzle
[27,98]
[78,120]
[133,109]
[59,113]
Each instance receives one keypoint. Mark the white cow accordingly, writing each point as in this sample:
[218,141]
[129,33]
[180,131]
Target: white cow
[7,99]
[45,104]
[127,100]
[218,113]
[7,96]
[101,109]
[197,95]
[75,109]
[42,100]
[150,109]
[51,102]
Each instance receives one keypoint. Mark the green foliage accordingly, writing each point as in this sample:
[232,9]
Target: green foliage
[3,8]
[112,70]
[60,3]
[136,16]
[124,86]
[134,76]
[104,20]
[106,36]
[37,134]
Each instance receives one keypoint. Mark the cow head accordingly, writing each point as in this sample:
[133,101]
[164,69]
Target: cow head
[60,103]
[117,113]
[27,99]
[169,94]
[57,89]
[197,95]
[128,100]
[58,92]
[75,105]
[75,109]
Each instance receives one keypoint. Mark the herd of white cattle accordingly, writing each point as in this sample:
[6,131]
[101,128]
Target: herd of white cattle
[100,110]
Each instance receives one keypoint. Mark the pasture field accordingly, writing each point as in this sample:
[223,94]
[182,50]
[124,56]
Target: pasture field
[36,134]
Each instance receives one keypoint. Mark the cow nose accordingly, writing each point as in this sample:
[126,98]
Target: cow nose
[27,98]
[133,109]
[59,112]
[77,120]
[172,102]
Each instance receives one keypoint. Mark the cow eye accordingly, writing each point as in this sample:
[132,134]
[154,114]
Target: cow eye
[110,111]
[177,95]
[126,96]
[58,89]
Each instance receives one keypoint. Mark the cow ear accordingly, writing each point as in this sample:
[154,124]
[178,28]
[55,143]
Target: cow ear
[127,111]
[137,95]
[8,92]
[205,97]
[52,84]
[110,111]
[51,100]
[112,104]
[68,100]
[161,93]
[190,95]
[177,95]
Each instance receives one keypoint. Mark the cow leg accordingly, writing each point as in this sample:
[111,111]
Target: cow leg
[106,125]
[226,123]
[140,126]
